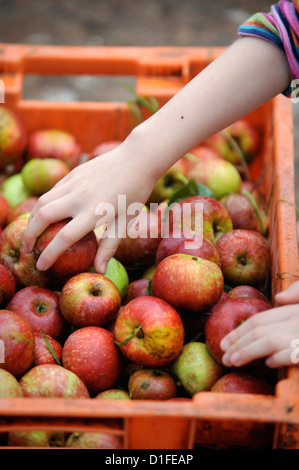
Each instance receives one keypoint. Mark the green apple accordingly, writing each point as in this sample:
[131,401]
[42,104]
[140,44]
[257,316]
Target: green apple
[117,273]
[167,185]
[14,190]
[41,174]
[221,176]
[195,368]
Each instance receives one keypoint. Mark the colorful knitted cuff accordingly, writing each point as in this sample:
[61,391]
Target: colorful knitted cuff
[281,27]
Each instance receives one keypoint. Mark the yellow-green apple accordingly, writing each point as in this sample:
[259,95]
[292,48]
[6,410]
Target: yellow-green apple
[94,440]
[76,259]
[43,354]
[54,143]
[148,273]
[247,291]
[166,186]
[138,249]
[136,288]
[195,369]
[14,190]
[41,174]
[117,273]
[7,285]
[221,176]
[188,283]
[23,207]
[226,316]
[39,306]
[35,439]
[17,338]
[16,259]
[52,381]
[9,385]
[4,210]
[104,147]
[245,257]
[188,243]
[13,137]
[149,331]
[244,134]
[152,384]
[239,382]
[89,299]
[201,214]
[113,394]
[91,353]
[242,213]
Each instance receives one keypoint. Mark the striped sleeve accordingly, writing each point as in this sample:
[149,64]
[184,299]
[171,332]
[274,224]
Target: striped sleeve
[281,27]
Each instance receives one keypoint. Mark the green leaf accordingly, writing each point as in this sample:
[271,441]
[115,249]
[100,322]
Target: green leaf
[149,288]
[50,348]
[204,190]
[227,288]
[191,189]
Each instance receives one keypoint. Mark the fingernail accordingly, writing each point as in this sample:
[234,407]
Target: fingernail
[235,359]
[41,265]
[104,267]
[224,344]
[226,360]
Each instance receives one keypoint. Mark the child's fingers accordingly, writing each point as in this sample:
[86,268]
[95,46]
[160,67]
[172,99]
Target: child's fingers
[73,231]
[107,248]
[288,296]
[262,347]
[283,358]
[47,214]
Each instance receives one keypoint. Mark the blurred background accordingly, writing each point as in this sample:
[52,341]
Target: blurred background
[122,23]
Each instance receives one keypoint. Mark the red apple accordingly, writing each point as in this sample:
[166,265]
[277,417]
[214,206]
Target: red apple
[22,208]
[76,259]
[91,354]
[17,341]
[203,151]
[149,332]
[41,174]
[4,210]
[52,381]
[202,214]
[39,306]
[42,353]
[12,255]
[187,282]
[246,136]
[111,325]
[238,382]
[195,368]
[190,244]
[113,394]
[152,384]
[9,386]
[138,250]
[7,285]
[12,137]
[247,291]
[94,440]
[225,317]
[54,143]
[136,288]
[245,258]
[242,213]
[89,299]
[104,147]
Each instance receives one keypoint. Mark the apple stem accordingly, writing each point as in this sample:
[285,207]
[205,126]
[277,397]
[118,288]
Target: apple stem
[96,289]
[138,332]
[233,143]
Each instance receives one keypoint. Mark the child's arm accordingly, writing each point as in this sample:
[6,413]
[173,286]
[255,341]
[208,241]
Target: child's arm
[250,72]
[273,334]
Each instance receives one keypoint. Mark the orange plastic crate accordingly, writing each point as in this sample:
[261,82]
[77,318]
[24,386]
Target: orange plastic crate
[208,420]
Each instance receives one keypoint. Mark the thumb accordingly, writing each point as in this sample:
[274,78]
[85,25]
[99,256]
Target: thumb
[289,296]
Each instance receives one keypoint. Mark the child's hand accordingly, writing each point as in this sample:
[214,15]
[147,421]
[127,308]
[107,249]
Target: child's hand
[77,196]
[271,334]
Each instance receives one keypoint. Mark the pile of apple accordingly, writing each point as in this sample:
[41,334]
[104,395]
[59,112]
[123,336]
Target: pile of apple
[150,328]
